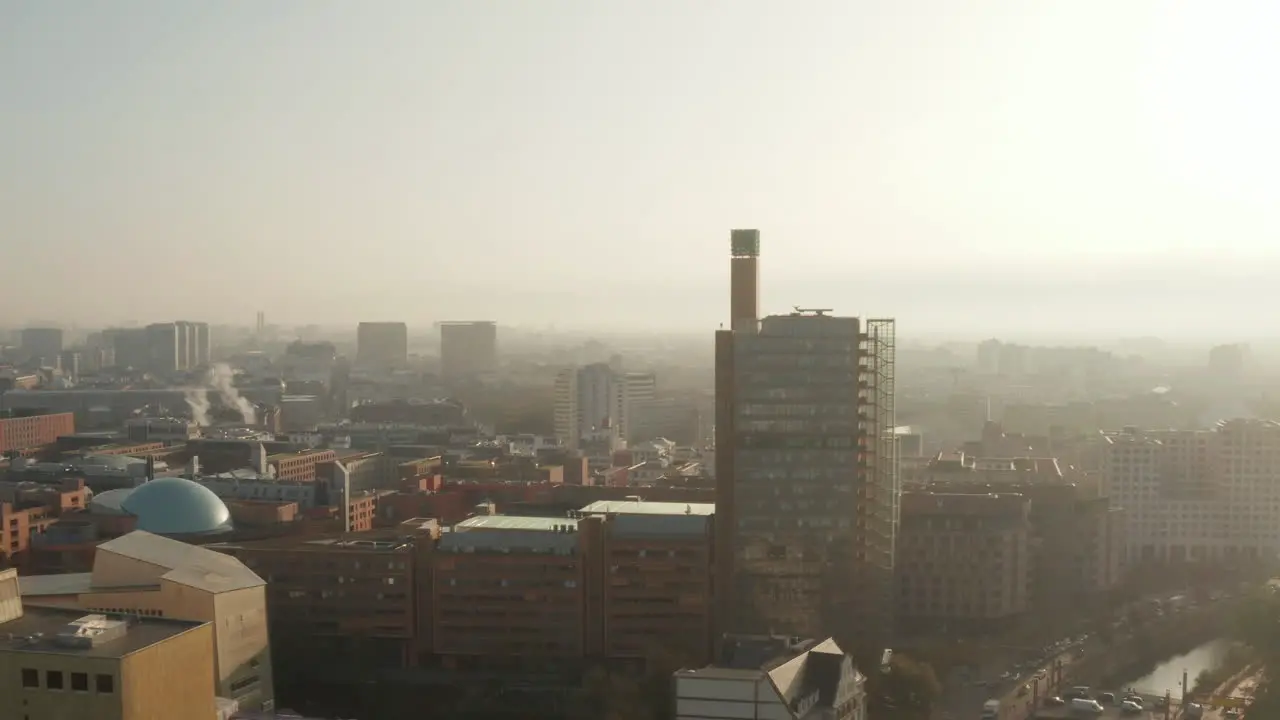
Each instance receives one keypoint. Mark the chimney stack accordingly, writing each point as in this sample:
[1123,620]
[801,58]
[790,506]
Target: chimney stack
[744,279]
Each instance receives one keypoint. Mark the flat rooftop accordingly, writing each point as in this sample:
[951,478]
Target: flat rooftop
[36,630]
[642,507]
[514,522]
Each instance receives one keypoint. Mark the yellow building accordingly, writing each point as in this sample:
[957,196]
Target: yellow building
[60,664]
[152,576]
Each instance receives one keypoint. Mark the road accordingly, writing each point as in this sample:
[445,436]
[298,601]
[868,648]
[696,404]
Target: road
[963,699]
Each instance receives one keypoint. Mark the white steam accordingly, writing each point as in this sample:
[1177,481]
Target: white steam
[198,402]
[221,380]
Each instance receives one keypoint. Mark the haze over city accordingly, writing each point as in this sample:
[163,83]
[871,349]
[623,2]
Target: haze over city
[576,162]
[639,360]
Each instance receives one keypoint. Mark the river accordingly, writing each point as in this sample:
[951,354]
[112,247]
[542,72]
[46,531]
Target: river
[1168,676]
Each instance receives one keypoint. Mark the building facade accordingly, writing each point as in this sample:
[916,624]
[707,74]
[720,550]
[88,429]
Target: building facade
[806,469]
[42,345]
[963,560]
[595,397]
[1197,495]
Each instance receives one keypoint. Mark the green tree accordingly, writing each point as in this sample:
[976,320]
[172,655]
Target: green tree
[907,689]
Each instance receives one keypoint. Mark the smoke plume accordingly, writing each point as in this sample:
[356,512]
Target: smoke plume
[198,402]
[221,380]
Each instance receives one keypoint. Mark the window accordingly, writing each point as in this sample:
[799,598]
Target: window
[243,683]
[105,683]
[80,682]
[53,679]
[30,678]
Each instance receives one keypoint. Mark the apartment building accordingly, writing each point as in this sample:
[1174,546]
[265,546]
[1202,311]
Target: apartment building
[1197,495]
[28,508]
[152,576]
[963,560]
[806,467]
[595,397]
[62,663]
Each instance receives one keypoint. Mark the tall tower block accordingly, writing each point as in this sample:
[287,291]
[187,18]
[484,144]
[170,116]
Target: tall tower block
[744,278]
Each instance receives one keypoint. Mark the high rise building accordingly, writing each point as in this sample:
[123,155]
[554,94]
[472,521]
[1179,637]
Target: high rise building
[597,396]
[468,349]
[806,468]
[203,346]
[163,343]
[42,344]
[382,344]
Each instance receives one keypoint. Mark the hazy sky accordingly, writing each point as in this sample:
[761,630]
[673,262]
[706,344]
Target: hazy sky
[990,164]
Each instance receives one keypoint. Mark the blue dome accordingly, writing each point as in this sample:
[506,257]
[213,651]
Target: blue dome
[176,506]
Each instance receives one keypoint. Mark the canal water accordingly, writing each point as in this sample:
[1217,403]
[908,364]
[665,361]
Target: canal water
[1168,676]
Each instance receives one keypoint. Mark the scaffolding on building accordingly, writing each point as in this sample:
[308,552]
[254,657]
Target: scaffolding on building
[879,447]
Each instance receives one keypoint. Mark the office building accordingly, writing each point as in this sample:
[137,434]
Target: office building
[594,397]
[42,345]
[64,663]
[382,345]
[155,577]
[468,349]
[129,347]
[806,468]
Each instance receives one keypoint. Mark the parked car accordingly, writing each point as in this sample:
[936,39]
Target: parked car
[1107,698]
[1054,701]
[1128,707]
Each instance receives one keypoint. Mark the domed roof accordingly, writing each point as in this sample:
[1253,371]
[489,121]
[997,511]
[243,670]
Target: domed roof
[108,502]
[176,506]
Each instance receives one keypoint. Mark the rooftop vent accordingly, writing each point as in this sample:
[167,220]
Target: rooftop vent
[90,631]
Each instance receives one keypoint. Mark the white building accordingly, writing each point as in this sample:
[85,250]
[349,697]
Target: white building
[1197,495]
[596,396]
[818,683]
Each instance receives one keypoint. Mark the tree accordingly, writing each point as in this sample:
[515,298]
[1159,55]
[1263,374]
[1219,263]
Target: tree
[906,689]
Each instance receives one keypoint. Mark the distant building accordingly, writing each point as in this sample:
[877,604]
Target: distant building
[468,349]
[597,396]
[61,663]
[382,344]
[27,429]
[43,345]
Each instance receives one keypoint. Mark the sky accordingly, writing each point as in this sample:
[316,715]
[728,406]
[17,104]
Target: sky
[997,165]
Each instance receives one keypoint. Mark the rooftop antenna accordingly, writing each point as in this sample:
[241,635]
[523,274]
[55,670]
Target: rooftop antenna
[820,312]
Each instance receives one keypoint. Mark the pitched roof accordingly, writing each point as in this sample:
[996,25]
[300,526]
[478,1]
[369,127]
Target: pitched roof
[186,564]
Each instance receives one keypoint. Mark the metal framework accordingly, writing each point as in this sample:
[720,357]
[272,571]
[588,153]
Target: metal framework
[879,446]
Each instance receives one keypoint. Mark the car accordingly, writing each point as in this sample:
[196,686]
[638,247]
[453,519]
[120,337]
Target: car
[1129,707]
[1054,701]
[1231,714]
[1136,699]
[1107,698]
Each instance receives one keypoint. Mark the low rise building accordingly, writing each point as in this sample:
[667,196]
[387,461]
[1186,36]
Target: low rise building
[152,576]
[776,678]
[62,663]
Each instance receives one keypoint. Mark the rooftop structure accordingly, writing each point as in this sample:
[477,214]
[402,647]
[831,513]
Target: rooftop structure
[176,506]
[60,662]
